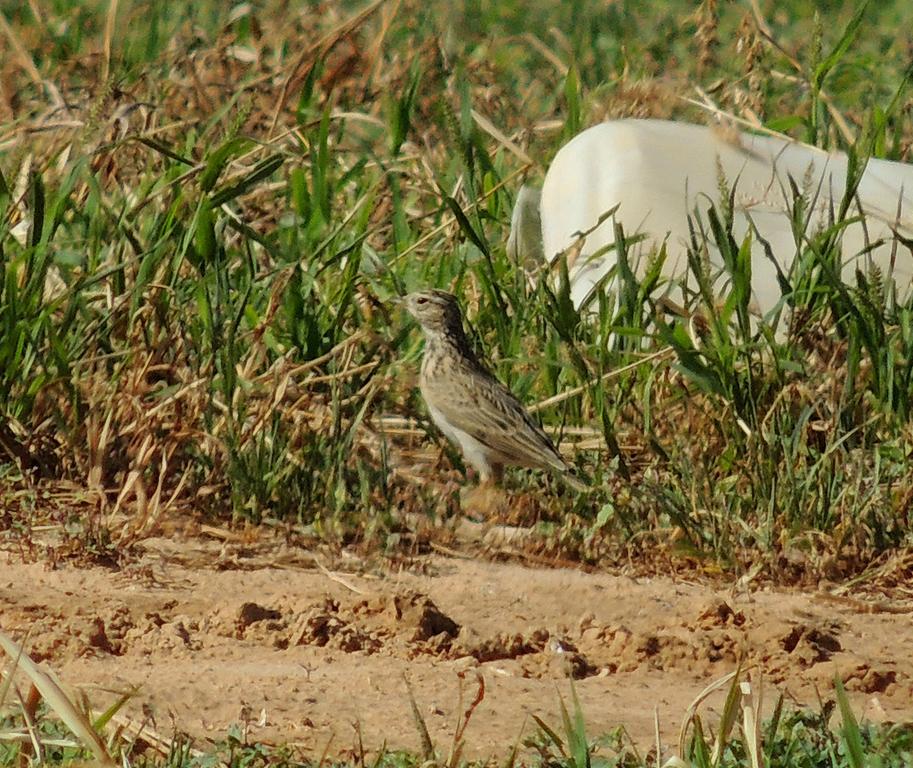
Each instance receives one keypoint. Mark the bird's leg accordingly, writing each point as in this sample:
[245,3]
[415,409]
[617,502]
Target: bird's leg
[489,474]
[485,501]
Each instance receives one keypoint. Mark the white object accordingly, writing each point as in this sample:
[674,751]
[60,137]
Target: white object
[658,172]
[525,241]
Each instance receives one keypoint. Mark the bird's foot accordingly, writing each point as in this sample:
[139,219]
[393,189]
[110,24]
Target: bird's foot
[485,502]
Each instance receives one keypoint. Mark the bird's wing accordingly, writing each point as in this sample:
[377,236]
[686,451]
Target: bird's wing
[487,411]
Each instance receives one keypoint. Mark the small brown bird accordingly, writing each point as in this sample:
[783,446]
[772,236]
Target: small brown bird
[469,405]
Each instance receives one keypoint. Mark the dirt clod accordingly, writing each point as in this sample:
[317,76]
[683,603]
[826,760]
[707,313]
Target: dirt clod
[811,645]
[251,613]
[418,611]
[311,653]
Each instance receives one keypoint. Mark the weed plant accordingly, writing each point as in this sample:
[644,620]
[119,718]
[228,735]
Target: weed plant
[206,212]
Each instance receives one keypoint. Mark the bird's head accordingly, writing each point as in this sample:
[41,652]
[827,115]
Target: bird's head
[436,311]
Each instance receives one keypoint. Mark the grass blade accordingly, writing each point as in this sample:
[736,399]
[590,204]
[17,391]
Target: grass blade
[58,701]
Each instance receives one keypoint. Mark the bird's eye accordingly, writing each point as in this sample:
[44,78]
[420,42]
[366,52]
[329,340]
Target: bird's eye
[422,300]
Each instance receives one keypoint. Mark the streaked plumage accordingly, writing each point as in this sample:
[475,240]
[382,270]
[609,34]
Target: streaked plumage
[469,405]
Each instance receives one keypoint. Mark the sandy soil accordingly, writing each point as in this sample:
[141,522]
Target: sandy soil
[300,654]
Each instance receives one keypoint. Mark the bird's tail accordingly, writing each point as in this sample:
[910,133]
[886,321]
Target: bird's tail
[575,482]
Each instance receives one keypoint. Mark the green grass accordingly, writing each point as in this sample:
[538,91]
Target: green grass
[196,318]
[183,265]
[791,738]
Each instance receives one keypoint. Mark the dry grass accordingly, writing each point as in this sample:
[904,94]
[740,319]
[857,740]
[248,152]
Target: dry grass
[204,212]
[202,228]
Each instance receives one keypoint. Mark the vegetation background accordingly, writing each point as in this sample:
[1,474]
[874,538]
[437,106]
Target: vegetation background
[206,209]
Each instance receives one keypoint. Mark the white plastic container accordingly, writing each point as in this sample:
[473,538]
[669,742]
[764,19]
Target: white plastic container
[657,172]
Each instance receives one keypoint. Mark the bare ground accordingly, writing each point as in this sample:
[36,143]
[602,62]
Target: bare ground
[211,637]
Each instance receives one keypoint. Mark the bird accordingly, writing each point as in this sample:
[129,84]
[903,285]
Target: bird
[468,403]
